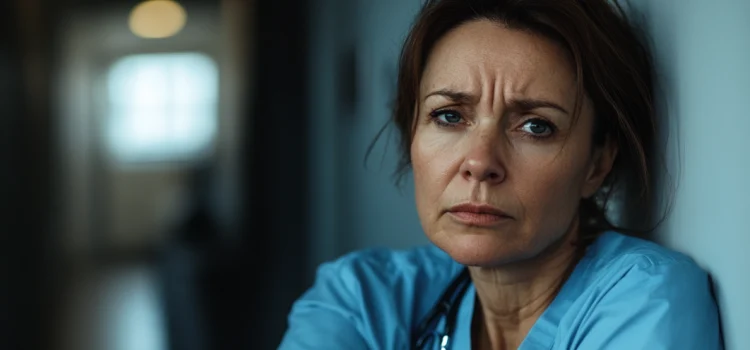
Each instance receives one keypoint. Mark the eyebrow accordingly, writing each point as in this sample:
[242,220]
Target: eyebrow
[526,104]
[455,96]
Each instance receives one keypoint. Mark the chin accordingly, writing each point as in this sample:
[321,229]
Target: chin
[481,249]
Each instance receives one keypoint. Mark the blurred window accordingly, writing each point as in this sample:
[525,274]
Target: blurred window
[162,107]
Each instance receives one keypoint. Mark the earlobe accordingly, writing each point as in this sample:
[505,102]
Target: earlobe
[601,165]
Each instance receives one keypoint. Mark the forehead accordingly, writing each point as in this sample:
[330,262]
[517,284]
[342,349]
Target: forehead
[482,52]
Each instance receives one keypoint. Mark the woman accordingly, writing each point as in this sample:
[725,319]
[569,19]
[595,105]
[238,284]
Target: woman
[517,118]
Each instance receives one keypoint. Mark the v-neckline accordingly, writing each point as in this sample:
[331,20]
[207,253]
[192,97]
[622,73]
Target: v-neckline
[542,334]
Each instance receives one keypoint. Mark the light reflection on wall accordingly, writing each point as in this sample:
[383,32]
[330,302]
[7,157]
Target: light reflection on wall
[162,107]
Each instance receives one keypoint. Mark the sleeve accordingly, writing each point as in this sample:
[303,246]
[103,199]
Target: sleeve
[667,306]
[328,315]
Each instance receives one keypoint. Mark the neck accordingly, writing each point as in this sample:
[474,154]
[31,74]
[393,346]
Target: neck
[513,296]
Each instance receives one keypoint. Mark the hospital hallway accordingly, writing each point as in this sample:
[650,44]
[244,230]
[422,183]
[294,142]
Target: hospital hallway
[133,210]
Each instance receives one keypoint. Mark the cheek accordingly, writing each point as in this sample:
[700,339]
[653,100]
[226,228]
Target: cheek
[549,186]
[432,160]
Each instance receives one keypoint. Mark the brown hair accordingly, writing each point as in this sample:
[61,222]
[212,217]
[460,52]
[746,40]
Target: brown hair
[611,64]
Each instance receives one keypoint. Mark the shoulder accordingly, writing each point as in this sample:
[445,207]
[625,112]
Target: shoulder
[616,259]
[384,279]
[613,250]
[619,263]
[375,294]
[382,265]
[631,291]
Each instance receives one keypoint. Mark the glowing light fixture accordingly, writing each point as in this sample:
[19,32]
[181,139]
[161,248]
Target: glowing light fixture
[156,19]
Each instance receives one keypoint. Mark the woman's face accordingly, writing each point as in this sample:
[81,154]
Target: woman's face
[499,165]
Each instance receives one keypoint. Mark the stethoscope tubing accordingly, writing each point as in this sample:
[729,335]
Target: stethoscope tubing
[447,305]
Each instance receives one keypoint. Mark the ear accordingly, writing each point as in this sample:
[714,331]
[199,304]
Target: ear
[602,160]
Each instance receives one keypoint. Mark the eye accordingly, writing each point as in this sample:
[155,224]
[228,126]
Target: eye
[446,117]
[538,127]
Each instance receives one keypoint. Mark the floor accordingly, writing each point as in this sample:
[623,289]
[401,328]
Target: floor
[115,308]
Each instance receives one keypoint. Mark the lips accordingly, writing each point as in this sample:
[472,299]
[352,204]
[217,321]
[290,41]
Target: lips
[478,214]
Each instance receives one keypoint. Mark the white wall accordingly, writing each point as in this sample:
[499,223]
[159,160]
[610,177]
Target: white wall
[702,51]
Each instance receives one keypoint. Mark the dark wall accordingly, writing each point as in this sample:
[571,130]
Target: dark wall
[276,220]
[27,282]
[9,176]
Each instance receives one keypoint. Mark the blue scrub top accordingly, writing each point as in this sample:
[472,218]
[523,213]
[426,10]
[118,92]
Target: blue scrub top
[625,293]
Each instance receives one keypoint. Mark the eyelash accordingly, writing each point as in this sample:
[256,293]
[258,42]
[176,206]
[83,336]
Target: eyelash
[435,117]
[552,128]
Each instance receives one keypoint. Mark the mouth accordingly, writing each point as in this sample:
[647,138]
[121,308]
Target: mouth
[478,215]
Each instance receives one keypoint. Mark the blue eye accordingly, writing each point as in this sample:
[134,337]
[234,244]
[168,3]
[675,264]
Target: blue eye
[538,127]
[447,117]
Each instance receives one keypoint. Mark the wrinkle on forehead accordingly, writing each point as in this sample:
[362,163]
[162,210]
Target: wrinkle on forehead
[495,63]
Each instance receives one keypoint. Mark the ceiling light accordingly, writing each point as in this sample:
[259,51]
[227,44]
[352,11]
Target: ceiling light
[156,19]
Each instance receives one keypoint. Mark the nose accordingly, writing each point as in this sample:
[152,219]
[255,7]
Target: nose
[482,162]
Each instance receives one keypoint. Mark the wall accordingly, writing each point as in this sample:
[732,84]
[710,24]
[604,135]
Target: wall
[330,35]
[383,215]
[702,53]
[355,204]
[235,59]
[28,254]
